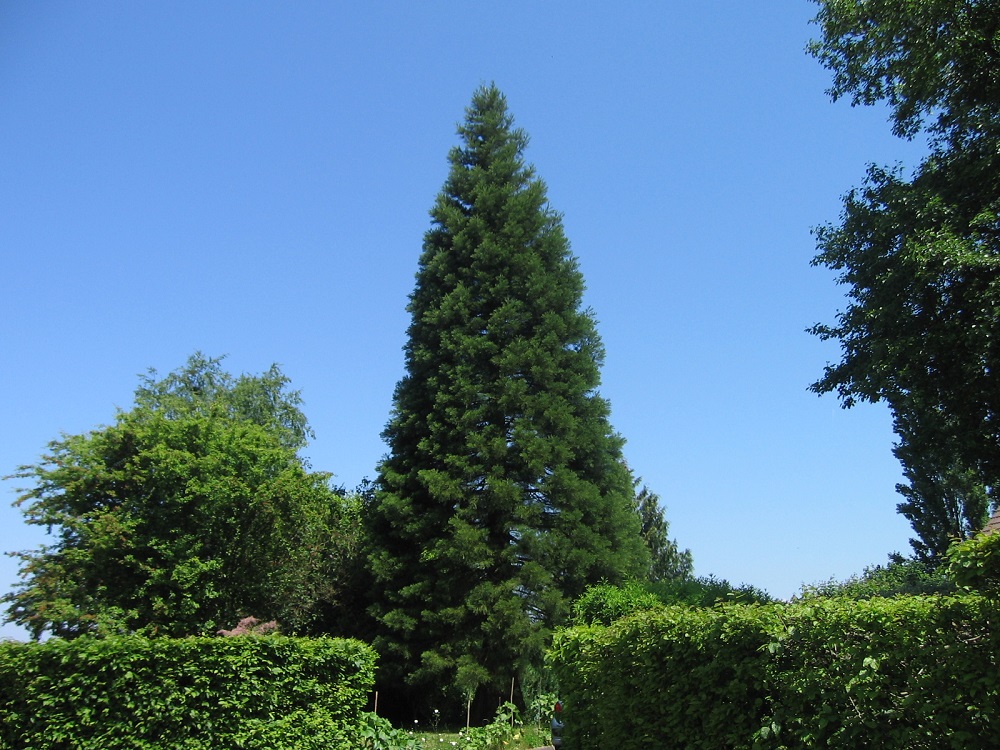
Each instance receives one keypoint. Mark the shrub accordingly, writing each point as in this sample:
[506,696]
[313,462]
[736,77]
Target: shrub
[900,577]
[496,735]
[372,732]
[893,673]
[604,603]
[975,563]
[192,693]
[672,677]
[909,672]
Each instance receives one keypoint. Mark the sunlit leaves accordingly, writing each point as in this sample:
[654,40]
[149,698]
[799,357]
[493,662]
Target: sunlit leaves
[189,512]
[912,672]
[118,693]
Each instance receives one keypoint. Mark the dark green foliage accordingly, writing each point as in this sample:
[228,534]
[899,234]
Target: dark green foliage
[129,693]
[182,517]
[944,500]
[933,62]
[898,674]
[899,577]
[669,562]
[504,493]
[921,255]
[706,591]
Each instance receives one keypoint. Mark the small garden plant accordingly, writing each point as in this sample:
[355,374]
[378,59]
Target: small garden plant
[505,732]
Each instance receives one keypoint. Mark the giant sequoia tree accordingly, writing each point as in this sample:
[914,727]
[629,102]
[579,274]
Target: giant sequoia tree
[921,254]
[504,492]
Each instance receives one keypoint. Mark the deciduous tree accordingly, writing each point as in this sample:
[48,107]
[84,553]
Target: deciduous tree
[189,512]
[920,254]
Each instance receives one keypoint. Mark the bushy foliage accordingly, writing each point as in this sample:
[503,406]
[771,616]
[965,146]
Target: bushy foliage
[191,510]
[975,564]
[706,591]
[121,693]
[372,732]
[496,735]
[672,677]
[604,603]
[893,673]
[902,673]
[899,577]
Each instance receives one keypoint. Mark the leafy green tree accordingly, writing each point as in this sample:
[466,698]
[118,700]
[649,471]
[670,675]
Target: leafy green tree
[706,591]
[920,254]
[203,387]
[183,516]
[669,562]
[932,61]
[944,500]
[504,493]
[603,604]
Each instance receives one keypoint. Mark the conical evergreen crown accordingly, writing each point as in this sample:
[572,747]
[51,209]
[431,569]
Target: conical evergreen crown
[504,492]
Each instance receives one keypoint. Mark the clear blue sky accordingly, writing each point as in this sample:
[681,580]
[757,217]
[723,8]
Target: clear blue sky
[253,179]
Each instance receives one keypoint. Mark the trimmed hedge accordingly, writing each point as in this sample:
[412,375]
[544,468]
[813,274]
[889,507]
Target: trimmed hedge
[671,677]
[130,692]
[910,672]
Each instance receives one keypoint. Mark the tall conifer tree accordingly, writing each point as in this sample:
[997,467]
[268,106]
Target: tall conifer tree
[504,492]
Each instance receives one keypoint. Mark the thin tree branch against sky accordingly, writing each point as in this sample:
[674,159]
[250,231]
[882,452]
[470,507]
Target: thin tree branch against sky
[253,180]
